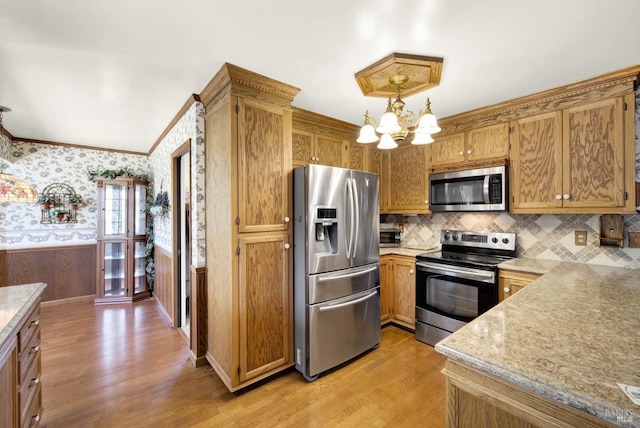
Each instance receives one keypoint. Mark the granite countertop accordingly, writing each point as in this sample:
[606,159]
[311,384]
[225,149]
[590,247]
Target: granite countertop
[407,251]
[571,335]
[15,301]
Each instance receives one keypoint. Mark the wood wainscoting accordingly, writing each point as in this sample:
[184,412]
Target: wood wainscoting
[69,272]
[163,287]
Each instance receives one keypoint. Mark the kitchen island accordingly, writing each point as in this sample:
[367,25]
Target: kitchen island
[551,355]
[20,392]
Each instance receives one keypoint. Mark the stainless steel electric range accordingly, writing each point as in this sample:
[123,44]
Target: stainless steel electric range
[460,282]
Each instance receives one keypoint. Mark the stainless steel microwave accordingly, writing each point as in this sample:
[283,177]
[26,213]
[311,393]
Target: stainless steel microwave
[483,189]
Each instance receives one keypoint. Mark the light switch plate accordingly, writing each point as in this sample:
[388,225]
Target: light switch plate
[581,237]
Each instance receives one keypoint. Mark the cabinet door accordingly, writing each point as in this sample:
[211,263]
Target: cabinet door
[448,149]
[265,304]
[264,166]
[358,157]
[330,151]
[302,143]
[139,272]
[488,142]
[404,292]
[536,162]
[112,203]
[386,289]
[113,272]
[512,282]
[409,180]
[379,164]
[593,158]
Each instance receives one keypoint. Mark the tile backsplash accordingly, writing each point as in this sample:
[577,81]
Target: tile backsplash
[548,236]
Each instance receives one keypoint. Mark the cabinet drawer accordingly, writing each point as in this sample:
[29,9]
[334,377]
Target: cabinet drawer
[30,351]
[30,326]
[33,415]
[30,387]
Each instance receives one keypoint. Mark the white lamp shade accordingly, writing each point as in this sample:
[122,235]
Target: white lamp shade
[422,138]
[367,135]
[386,142]
[428,124]
[388,123]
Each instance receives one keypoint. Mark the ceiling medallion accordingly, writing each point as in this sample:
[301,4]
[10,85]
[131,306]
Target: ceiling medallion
[389,77]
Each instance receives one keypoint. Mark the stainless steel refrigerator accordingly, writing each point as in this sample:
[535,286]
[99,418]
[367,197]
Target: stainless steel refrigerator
[336,266]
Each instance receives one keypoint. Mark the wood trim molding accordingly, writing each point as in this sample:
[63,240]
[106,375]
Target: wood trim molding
[314,122]
[77,146]
[52,248]
[86,299]
[193,98]
[245,81]
[611,84]
[6,133]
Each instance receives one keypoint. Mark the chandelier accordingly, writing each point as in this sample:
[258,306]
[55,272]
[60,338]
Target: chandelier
[389,76]
[13,189]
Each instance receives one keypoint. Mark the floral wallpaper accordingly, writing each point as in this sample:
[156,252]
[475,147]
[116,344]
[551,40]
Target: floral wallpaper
[190,126]
[44,164]
[5,147]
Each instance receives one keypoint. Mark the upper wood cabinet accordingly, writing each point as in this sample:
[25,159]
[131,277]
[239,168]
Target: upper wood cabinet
[358,157]
[578,159]
[379,164]
[480,144]
[248,135]
[409,179]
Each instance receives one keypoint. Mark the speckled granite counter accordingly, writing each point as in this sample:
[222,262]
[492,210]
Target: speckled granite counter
[572,335]
[15,301]
[406,251]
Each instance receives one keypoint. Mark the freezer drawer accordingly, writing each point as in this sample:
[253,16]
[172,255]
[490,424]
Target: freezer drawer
[333,285]
[342,329]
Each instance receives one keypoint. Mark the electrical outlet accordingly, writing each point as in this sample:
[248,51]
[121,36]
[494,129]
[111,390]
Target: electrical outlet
[581,237]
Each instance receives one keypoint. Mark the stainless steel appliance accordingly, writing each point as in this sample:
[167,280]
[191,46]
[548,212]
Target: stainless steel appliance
[484,189]
[336,266]
[390,237]
[460,282]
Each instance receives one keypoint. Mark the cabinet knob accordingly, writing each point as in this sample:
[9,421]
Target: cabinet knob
[286,219]
[506,289]
[34,323]
[410,271]
[34,350]
[287,246]
[469,151]
[558,197]
[461,153]
[34,382]
[566,196]
[426,201]
[35,420]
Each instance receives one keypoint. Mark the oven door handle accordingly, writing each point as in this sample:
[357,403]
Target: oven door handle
[458,272]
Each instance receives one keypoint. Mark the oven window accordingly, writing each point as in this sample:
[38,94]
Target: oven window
[452,298]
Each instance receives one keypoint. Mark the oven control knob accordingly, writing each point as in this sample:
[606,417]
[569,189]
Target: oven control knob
[446,236]
[505,241]
[494,240]
[454,237]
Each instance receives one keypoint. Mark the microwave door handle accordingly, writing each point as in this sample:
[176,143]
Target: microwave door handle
[485,188]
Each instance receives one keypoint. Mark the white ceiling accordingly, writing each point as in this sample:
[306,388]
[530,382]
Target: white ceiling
[113,74]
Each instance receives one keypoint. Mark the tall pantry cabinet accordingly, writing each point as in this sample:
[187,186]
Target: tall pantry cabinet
[248,130]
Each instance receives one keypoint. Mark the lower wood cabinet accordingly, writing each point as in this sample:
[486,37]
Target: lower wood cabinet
[21,396]
[398,290]
[513,281]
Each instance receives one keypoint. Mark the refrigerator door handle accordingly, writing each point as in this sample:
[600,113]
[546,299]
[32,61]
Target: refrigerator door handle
[356,204]
[350,242]
[349,303]
[347,275]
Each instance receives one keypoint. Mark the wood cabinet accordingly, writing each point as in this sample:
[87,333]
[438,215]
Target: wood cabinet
[21,397]
[511,282]
[404,178]
[398,290]
[121,241]
[358,157]
[248,128]
[575,160]
[473,147]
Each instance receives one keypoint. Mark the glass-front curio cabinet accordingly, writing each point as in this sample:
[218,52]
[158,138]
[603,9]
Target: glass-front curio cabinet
[122,223]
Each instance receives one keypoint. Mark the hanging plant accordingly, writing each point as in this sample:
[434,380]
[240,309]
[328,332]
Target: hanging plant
[161,204]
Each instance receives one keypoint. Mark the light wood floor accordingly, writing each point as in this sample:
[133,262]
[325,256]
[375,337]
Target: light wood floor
[123,366]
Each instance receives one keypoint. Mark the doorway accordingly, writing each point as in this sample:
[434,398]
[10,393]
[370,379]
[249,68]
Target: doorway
[182,235]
